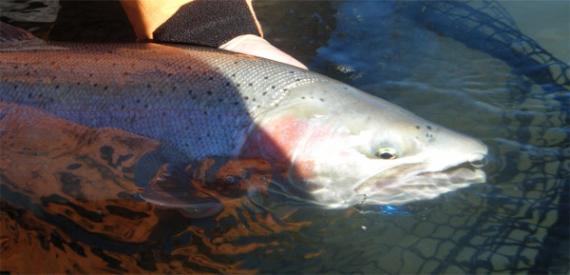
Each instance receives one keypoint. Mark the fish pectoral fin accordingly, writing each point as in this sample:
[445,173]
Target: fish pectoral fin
[172,188]
[162,173]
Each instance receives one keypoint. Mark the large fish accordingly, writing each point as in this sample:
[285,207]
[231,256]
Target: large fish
[341,145]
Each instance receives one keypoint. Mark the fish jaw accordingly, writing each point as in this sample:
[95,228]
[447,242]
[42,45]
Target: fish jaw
[326,135]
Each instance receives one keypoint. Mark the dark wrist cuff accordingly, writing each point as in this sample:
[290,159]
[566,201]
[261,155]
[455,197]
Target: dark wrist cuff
[208,23]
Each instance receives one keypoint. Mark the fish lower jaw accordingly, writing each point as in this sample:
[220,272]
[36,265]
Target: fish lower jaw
[400,187]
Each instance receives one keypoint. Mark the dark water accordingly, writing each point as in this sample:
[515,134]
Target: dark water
[428,59]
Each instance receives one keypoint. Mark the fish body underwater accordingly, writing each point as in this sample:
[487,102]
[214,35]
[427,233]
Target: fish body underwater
[341,145]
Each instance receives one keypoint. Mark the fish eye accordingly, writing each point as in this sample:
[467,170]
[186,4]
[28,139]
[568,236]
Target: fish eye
[386,153]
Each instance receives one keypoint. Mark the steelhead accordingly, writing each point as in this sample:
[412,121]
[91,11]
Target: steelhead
[339,144]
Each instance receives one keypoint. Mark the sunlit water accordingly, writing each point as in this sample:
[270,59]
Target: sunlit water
[516,222]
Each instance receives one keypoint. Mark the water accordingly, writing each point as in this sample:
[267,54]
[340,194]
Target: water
[516,222]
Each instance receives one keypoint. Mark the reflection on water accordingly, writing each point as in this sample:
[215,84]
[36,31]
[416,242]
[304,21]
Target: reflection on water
[69,205]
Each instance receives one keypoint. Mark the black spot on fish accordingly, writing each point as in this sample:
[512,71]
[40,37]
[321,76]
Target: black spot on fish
[30,95]
[273,87]
[148,85]
[122,106]
[321,99]
[246,97]
[297,79]
[291,72]
[189,67]
[418,127]
[237,85]
[27,73]
[250,84]
[209,92]
[105,88]
[77,83]
[138,100]
[302,97]
[15,66]
[206,112]
[169,74]
[210,78]
[265,77]
[146,106]
[236,103]
[228,84]
[233,75]
[253,99]
[57,86]
[90,75]
[194,97]
[15,87]
[189,92]
[429,127]
[95,85]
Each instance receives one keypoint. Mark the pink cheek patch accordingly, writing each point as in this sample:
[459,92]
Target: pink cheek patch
[276,140]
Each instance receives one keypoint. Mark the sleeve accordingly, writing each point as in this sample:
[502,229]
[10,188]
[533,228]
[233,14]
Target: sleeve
[209,23]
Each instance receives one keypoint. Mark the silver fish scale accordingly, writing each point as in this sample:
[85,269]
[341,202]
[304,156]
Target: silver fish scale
[200,101]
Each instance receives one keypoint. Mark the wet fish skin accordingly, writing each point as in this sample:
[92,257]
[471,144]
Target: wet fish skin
[345,146]
[197,100]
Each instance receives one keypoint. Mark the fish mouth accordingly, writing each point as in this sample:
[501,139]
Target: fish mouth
[413,182]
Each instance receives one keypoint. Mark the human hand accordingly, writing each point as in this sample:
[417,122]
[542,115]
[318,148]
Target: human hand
[148,16]
[257,46]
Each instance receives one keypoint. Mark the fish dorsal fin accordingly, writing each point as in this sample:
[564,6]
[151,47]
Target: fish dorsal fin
[13,37]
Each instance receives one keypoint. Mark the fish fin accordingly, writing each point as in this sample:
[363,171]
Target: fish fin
[172,188]
[148,165]
[166,184]
[10,34]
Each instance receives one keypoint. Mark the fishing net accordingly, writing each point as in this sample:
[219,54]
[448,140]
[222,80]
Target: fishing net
[520,230]
[465,20]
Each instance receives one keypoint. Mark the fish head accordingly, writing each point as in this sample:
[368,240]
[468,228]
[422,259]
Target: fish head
[346,147]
